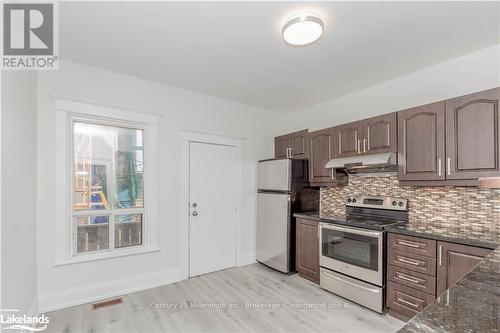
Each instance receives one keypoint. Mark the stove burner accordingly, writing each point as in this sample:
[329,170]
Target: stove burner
[372,222]
[375,212]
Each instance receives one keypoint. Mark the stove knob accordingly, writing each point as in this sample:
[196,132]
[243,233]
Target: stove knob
[353,200]
[401,204]
[394,203]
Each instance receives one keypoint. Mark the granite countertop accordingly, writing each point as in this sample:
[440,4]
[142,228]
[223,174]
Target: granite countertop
[439,231]
[471,305]
[308,216]
[436,230]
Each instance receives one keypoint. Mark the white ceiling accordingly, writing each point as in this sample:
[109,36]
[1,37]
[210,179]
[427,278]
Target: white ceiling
[234,50]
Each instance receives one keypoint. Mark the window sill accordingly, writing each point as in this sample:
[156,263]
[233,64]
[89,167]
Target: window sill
[106,255]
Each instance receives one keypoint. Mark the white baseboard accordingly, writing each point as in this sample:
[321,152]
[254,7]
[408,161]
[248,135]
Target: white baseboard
[247,258]
[60,299]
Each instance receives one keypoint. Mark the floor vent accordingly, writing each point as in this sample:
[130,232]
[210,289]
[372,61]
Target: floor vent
[109,302]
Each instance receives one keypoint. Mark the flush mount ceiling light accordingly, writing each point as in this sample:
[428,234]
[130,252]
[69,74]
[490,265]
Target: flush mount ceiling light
[302,29]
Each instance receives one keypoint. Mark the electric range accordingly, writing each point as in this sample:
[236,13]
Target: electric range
[352,250]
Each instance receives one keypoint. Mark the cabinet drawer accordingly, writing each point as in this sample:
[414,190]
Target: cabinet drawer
[406,300]
[411,261]
[412,279]
[425,247]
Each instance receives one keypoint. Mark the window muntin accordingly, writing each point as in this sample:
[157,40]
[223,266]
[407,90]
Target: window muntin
[108,186]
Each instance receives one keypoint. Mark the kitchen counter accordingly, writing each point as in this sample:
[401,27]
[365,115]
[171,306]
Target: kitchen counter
[338,219]
[436,230]
[471,305]
[308,216]
[439,231]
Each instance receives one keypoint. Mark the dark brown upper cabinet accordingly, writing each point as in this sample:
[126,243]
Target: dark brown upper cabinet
[281,146]
[348,139]
[293,145]
[421,139]
[320,152]
[472,136]
[454,261]
[370,136]
[379,134]
[298,144]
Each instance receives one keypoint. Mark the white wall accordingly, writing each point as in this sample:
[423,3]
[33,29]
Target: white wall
[470,73]
[181,110]
[192,111]
[18,190]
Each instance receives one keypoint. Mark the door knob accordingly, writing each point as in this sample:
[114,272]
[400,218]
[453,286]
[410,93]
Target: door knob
[195,213]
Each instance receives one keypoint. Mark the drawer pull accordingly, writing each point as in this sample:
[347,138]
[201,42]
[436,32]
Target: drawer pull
[405,243]
[405,302]
[407,278]
[349,282]
[408,261]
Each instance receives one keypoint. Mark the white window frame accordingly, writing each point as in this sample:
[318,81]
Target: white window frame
[67,113]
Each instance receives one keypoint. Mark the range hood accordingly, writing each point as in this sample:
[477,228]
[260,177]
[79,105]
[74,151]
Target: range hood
[375,163]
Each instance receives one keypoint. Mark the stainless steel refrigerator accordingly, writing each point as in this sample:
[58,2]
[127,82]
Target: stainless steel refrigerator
[283,190]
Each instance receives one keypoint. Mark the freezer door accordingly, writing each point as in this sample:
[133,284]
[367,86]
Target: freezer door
[274,175]
[273,230]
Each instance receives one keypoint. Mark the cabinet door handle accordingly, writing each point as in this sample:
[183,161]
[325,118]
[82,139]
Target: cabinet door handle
[448,166]
[364,145]
[440,162]
[407,278]
[440,255]
[359,146]
[349,282]
[405,302]
[340,144]
[404,243]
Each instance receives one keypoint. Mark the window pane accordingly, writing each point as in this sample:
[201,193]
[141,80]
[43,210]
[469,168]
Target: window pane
[128,230]
[109,169]
[92,233]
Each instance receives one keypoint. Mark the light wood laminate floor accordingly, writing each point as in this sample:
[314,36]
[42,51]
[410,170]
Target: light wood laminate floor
[263,300]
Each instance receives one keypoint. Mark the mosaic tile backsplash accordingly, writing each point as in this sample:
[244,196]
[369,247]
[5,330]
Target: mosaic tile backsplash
[454,210]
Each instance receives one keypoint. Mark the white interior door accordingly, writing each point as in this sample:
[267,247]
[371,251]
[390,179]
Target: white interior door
[212,192]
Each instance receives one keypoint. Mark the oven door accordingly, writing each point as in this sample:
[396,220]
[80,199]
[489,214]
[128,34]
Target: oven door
[351,251]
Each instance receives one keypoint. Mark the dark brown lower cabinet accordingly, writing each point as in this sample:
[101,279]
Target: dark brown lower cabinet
[420,269]
[307,249]
[406,301]
[454,261]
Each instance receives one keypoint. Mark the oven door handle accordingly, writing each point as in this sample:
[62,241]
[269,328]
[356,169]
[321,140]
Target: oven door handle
[351,230]
[348,282]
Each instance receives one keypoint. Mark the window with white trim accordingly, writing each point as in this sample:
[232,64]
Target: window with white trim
[106,173]
[108,186]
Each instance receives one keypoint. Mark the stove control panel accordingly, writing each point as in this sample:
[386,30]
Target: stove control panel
[378,202]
